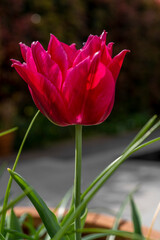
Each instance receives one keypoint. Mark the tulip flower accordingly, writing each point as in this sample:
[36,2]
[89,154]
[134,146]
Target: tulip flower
[70,86]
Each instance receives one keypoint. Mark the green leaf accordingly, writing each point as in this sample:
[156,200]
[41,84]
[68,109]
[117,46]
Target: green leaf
[15,201]
[135,217]
[8,131]
[41,231]
[13,224]
[48,217]
[18,235]
[145,128]
[100,232]
[2,237]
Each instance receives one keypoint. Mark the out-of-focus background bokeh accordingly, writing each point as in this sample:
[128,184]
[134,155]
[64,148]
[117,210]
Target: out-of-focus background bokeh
[134,25]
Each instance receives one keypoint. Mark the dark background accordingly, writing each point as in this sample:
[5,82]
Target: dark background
[134,25]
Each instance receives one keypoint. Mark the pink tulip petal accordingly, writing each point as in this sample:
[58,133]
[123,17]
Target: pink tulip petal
[47,98]
[30,60]
[73,47]
[116,64]
[103,36]
[45,65]
[88,40]
[15,62]
[21,69]
[106,57]
[99,97]
[24,48]
[92,81]
[58,54]
[74,88]
[53,111]
[110,48]
[89,49]
[108,110]
[71,52]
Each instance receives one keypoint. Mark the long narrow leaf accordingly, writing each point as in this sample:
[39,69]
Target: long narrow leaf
[8,131]
[18,235]
[2,222]
[2,237]
[135,217]
[106,232]
[13,223]
[47,216]
[146,127]
[15,201]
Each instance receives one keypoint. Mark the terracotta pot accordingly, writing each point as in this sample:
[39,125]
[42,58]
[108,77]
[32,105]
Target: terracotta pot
[94,220]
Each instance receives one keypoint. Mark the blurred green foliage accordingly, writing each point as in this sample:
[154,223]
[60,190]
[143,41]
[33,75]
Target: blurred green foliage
[134,25]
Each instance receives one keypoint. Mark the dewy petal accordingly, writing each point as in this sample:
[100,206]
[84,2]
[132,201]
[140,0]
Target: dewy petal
[71,52]
[98,98]
[45,65]
[58,54]
[116,63]
[74,89]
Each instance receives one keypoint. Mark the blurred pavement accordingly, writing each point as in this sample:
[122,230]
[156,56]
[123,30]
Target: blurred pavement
[51,171]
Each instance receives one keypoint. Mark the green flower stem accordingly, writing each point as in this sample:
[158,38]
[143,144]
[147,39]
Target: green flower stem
[2,223]
[77,180]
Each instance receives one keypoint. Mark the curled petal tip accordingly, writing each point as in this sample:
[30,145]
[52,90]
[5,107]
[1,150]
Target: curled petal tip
[14,62]
[110,44]
[103,35]
[34,43]
[22,44]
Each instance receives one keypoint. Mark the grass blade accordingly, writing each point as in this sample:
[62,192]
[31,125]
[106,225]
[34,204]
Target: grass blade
[13,223]
[146,127]
[105,232]
[2,222]
[8,131]
[18,235]
[135,217]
